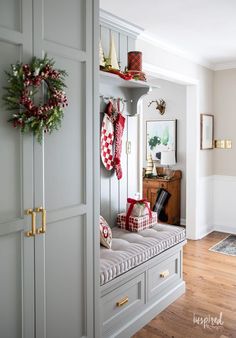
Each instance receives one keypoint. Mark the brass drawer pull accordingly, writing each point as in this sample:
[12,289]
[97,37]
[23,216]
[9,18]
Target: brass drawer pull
[122,302]
[42,230]
[31,233]
[164,274]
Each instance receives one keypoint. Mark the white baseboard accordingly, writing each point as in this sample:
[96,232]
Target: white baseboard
[206,232]
[218,228]
[225,228]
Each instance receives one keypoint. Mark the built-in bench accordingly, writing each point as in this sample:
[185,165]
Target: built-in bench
[139,277]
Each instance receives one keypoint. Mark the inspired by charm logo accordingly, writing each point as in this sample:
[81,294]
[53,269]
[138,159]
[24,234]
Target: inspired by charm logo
[209,322]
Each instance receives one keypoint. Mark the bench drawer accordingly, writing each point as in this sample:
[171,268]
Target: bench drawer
[164,275]
[120,306]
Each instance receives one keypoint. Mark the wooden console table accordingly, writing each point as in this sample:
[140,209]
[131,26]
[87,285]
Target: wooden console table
[151,187]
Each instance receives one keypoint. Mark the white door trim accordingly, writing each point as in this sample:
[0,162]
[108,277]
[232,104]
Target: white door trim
[192,141]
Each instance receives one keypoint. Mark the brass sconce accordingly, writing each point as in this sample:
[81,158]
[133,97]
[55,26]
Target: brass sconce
[160,105]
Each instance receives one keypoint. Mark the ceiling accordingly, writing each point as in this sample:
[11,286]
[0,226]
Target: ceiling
[204,31]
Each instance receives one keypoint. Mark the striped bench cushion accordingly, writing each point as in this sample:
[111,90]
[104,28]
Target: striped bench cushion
[131,249]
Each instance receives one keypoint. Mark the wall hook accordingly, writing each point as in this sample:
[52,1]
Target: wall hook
[161,105]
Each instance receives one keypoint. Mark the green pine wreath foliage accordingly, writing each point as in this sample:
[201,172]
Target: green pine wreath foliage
[38,79]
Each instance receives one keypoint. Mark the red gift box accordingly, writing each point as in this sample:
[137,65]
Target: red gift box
[136,224]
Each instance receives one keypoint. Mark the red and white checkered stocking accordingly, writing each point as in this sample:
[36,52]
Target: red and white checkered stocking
[107,139]
[119,129]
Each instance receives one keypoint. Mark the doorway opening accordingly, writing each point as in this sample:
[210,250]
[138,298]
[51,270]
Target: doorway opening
[188,162]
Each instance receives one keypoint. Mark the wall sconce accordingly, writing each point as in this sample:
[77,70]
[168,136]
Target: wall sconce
[161,105]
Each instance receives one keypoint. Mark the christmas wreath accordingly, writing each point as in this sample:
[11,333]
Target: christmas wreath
[36,81]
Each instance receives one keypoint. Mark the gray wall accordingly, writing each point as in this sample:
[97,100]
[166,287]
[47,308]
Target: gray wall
[175,96]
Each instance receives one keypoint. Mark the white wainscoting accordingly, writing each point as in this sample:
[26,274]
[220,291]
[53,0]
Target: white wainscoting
[204,218]
[224,203]
[217,205]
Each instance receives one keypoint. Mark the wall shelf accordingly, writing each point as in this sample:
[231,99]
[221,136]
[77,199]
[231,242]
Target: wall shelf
[135,88]
[115,80]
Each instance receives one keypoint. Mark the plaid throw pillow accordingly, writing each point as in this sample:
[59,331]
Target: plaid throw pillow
[161,201]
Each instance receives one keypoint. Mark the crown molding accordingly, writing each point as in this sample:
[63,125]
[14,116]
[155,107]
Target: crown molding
[112,21]
[169,75]
[147,37]
[225,65]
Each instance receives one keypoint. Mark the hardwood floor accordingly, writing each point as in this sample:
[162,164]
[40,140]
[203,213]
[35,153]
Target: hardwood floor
[210,289]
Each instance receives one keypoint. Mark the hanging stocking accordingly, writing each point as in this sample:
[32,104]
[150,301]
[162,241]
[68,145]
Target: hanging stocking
[107,138]
[119,129]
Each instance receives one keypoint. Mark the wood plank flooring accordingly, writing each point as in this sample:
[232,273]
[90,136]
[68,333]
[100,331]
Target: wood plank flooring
[210,289]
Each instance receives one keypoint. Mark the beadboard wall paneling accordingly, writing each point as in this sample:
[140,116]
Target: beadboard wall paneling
[114,193]
[123,43]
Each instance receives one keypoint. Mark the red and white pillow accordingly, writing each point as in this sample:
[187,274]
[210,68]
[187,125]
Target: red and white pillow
[105,233]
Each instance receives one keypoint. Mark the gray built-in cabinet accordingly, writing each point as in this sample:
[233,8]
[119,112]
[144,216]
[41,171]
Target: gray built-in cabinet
[47,281]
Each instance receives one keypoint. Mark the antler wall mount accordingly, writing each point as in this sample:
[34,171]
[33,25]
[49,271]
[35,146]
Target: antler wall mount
[160,105]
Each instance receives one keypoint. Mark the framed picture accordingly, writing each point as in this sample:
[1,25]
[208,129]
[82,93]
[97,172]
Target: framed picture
[207,131]
[161,135]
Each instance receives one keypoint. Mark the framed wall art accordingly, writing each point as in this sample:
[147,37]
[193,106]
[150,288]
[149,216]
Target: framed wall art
[161,135]
[207,131]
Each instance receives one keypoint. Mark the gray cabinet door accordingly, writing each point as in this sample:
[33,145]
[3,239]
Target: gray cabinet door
[64,277]
[16,186]
[47,281]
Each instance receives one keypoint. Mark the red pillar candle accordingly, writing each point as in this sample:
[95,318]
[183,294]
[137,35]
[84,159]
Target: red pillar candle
[135,61]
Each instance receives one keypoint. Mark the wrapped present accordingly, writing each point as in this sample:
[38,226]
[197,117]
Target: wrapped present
[136,224]
[138,207]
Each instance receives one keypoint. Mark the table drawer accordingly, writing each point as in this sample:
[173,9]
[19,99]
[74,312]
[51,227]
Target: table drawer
[121,305]
[164,275]
[155,184]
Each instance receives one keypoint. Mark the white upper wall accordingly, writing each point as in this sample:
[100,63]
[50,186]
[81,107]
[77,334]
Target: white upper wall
[225,120]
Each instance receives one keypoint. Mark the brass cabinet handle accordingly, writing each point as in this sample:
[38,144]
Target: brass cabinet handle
[33,223]
[42,229]
[164,274]
[122,302]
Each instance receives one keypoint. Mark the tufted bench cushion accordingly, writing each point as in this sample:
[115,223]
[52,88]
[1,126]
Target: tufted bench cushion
[131,249]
